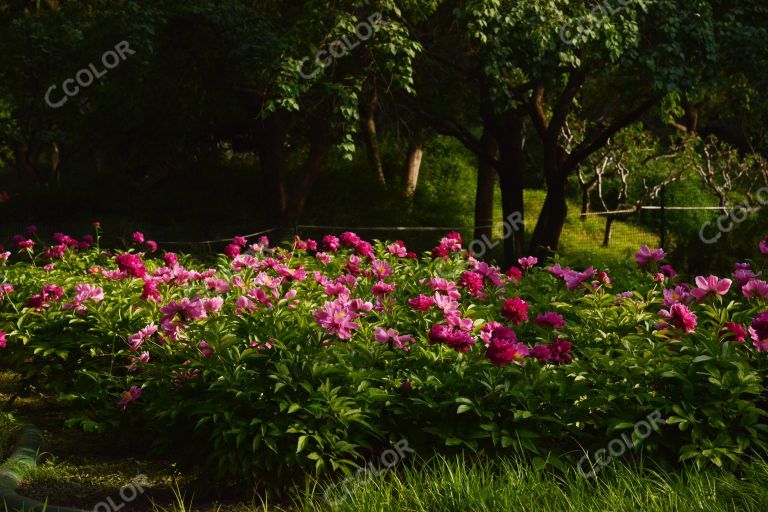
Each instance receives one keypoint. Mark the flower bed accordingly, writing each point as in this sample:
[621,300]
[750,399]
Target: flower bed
[275,362]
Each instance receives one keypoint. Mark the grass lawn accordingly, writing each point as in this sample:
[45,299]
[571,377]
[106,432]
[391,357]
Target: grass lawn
[582,240]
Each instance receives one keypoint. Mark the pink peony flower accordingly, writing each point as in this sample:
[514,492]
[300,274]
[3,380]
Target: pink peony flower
[5,289]
[397,249]
[680,317]
[645,255]
[336,318]
[573,278]
[205,349]
[213,305]
[126,397]
[763,245]
[240,240]
[515,310]
[710,286]
[680,294]
[151,246]
[3,340]
[734,332]
[84,292]
[385,335]
[170,259]
[136,340]
[382,288]
[550,319]
[138,237]
[754,289]
[528,262]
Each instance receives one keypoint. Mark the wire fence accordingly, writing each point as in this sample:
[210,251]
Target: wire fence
[595,231]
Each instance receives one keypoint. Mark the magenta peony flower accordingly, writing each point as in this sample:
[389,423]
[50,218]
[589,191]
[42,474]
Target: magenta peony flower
[473,282]
[558,352]
[126,397]
[759,332]
[349,239]
[550,319]
[734,332]
[3,340]
[138,237]
[515,310]
[49,294]
[232,251]
[710,286]
[240,240]
[501,353]
[514,274]
[680,317]
[131,264]
[668,270]
[421,303]
[458,340]
[646,255]
[754,289]
[151,246]
[330,243]
[541,353]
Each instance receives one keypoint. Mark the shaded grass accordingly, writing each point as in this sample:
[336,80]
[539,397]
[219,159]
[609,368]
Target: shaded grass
[503,484]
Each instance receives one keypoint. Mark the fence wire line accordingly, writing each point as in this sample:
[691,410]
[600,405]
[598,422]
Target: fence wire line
[635,210]
[335,228]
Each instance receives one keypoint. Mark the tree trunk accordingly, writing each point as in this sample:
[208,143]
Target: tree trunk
[509,136]
[585,202]
[413,166]
[273,159]
[371,137]
[547,232]
[486,179]
[608,229]
[321,141]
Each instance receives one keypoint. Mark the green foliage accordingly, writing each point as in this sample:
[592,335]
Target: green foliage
[272,396]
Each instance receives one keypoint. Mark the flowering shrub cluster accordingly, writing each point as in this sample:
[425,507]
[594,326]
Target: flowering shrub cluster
[274,362]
